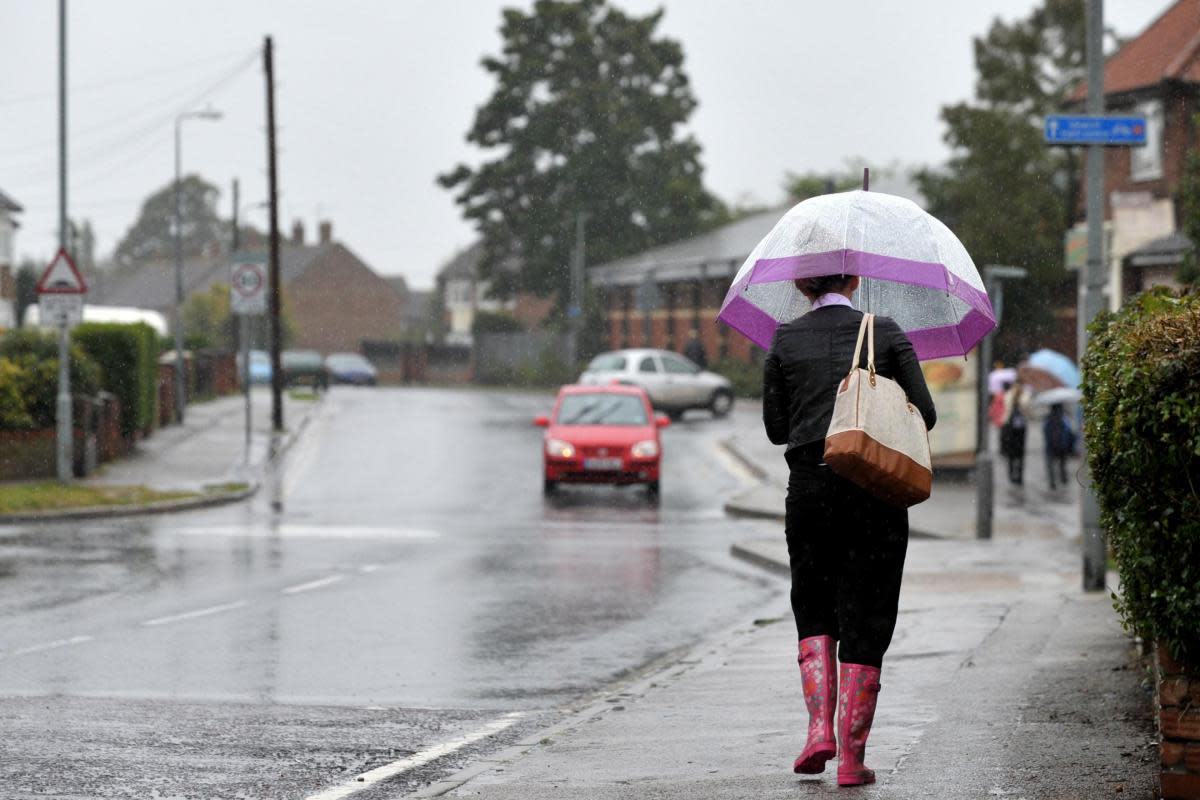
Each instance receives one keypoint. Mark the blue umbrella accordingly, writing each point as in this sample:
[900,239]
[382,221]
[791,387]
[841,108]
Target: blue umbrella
[1058,365]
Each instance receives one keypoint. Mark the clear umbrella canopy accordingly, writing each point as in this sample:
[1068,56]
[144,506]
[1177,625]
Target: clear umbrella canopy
[914,270]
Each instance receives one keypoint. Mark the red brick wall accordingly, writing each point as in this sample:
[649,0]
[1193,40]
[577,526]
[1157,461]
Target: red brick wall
[339,301]
[1177,695]
[1179,135]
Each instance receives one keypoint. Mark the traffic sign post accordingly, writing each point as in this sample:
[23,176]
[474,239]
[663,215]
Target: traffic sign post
[1074,130]
[60,301]
[247,298]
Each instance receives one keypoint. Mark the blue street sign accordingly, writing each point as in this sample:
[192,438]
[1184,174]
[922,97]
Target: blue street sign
[1110,131]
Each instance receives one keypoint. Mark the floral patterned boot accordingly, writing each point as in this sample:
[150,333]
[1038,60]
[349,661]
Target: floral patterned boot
[856,712]
[819,678]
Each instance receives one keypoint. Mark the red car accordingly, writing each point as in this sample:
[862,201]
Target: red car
[602,434]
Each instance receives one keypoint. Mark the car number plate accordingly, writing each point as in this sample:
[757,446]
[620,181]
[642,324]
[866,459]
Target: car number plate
[602,463]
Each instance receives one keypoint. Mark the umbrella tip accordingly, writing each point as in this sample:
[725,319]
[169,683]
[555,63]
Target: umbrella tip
[866,178]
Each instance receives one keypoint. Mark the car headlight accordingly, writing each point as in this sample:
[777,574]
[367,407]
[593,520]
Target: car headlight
[646,449]
[557,448]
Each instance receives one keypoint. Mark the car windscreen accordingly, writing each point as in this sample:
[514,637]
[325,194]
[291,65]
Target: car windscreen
[607,362]
[347,361]
[598,408]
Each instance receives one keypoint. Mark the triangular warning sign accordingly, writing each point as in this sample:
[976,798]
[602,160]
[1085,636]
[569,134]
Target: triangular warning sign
[61,277]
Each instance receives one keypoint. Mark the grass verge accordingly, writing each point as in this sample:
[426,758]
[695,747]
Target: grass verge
[16,498]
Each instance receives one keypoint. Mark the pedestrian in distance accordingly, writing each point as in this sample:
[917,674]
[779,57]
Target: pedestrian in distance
[1013,432]
[694,350]
[1059,439]
[846,547]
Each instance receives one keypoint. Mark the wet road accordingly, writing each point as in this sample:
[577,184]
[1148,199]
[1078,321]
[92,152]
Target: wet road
[410,589]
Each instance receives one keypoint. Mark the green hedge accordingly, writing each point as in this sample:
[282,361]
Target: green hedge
[746,377]
[128,358]
[1141,395]
[29,379]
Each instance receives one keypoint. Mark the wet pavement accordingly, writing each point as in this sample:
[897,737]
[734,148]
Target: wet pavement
[399,586]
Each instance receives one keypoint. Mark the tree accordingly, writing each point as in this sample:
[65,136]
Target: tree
[584,119]
[151,237]
[801,186]
[1007,196]
[207,320]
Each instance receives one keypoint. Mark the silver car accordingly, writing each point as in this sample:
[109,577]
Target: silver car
[674,383]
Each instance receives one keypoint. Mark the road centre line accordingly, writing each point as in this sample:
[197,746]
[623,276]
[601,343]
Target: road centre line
[57,643]
[203,612]
[375,776]
[317,584]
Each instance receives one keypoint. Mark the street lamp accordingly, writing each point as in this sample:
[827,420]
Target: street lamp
[993,281]
[208,114]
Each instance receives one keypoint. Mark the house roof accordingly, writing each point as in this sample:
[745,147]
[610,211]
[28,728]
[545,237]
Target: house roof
[463,265]
[1165,250]
[717,253]
[152,285]
[8,204]
[1168,50]
[398,283]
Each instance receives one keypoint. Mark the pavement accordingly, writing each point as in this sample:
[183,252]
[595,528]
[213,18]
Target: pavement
[1004,679]
[209,449]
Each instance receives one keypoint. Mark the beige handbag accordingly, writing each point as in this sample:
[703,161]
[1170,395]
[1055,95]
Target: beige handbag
[877,439]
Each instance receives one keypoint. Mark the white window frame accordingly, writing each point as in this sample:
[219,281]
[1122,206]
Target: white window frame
[1146,162]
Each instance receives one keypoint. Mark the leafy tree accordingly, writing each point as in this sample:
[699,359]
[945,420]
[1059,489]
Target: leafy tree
[1189,212]
[1008,197]
[495,322]
[207,320]
[151,237]
[801,186]
[585,118]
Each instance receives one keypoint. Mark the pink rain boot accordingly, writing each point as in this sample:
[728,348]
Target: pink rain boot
[856,712]
[818,676]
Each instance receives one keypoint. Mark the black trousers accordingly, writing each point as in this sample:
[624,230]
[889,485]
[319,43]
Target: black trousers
[846,550]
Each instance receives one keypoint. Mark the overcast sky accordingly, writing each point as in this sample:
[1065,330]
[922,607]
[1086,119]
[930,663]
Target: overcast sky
[374,97]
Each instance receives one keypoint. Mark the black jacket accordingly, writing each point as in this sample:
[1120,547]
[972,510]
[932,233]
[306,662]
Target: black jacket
[809,358]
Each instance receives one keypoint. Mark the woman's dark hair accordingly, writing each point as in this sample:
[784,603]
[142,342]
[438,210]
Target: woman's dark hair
[824,284]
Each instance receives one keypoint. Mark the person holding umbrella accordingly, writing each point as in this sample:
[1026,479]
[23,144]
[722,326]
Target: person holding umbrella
[802,294]
[846,547]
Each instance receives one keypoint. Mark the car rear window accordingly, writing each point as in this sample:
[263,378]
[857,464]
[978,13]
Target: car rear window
[599,408]
[607,362]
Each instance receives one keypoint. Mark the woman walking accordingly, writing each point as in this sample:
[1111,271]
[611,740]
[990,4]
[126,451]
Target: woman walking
[846,547]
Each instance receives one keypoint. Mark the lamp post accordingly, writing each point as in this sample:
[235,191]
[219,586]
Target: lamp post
[993,280]
[180,366]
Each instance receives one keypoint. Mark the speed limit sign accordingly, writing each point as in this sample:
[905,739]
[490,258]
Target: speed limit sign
[248,286]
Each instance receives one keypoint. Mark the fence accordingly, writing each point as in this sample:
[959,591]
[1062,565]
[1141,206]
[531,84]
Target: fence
[532,358]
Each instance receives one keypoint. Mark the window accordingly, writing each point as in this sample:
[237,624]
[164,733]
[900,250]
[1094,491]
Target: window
[1145,163]
[677,366]
[598,408]
[608,362]
[648,365]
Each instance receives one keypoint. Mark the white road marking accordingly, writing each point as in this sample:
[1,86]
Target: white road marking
[367,569]
[317,584]
[57,643]
[372,777]
[203,612]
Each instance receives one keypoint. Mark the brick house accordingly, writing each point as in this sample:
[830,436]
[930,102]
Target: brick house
[333,298]
[656,297]
[1156,75]
[464,294]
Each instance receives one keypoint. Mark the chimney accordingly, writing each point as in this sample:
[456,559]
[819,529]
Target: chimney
[8,286]
[326,231]
[298,233]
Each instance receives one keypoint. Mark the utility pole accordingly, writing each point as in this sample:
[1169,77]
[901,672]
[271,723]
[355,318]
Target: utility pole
[1095,553]
[578,290]
[993,281]
[235,235]
[65,449]
[273,288]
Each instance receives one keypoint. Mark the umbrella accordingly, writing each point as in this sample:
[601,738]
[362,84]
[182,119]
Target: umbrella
[1061,395]
[1038,380]
[914,270]
[1062,368]
[997,378]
